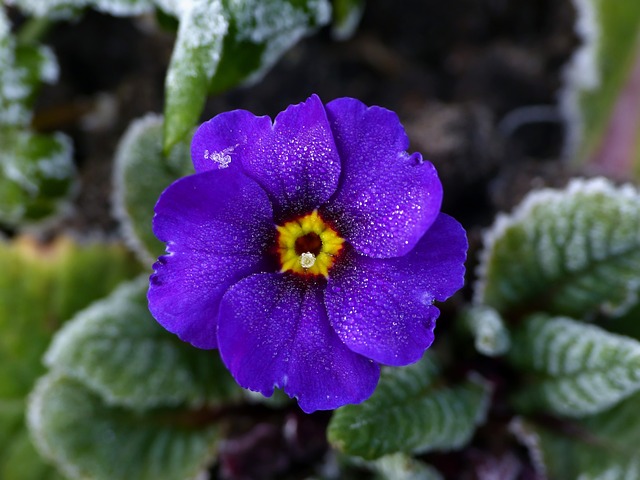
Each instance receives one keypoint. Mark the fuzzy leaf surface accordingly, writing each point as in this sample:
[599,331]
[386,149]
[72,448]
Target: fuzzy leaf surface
[36,174]
[410,412]
[491,336]
[41,286]
[86,438]
[135,195]
[603,446]
[223,44]
[117,349]
[572,252]
[579,369]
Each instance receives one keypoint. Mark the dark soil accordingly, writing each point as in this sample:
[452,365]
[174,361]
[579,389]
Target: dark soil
[457,73]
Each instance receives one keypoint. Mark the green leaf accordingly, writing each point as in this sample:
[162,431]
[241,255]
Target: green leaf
[36,174]
[24,67]
[403,467]
[411,411]
[194,61]
[222,44]
[119,351]
[604,446]
[346,17]
[491,337]
[63,9]
[135,195]
[40,287]
[573,252]
[581,369]
[87,438]
[609,32]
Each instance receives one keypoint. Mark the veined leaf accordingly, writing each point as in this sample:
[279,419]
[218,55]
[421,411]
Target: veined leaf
[135,195]
[118,350]
[572,252]
[600,447]
[582,369]
[491,337]
[87,438]
[41,286]
[410,412]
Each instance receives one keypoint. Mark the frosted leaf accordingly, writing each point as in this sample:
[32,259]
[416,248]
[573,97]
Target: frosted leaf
[490,334]
[346,17]
[411,411]
[582,369]
[574,252]
[62,9]
[84,438]
[603,446]
[36,174]
[135,195]
[118,350]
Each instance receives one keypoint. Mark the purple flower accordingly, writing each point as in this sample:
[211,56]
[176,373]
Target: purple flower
[308,250]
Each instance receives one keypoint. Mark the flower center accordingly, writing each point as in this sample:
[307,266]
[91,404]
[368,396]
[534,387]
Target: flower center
[307,245]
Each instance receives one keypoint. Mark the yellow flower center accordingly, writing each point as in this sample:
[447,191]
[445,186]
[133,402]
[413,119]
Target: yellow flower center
[307,245]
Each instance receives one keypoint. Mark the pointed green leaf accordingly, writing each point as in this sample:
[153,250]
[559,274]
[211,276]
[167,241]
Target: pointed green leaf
[135,195]
[87,438]
[581,369]
[491,337]
[571,252]
[222,44]
[117,349]
[194,61]
[411,411]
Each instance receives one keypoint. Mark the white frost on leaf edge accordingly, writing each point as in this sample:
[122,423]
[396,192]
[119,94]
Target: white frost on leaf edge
[119,208]
[580,74]
[597,185]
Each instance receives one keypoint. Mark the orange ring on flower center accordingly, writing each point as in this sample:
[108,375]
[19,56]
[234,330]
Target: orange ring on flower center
[307,245]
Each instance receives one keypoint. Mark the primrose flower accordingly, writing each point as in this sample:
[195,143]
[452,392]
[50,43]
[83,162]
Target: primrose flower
[309,250]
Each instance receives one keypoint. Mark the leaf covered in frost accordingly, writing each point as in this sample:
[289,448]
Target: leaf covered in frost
[572,252]
[24,67]
[411,411]
[60,9]
[87,438]
[41,286]
[598,70]
[581,369]
[36,174]
[222,44]
[602,447]
[491,337]
[118,350]
[135,195]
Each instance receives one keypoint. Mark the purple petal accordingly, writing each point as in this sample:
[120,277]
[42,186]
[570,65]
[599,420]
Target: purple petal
[387,198]
[226,139]
[295,160]
[217,226]
[382,308]
[274,332]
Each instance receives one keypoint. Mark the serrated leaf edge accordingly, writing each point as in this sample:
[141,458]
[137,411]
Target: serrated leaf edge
[504,221]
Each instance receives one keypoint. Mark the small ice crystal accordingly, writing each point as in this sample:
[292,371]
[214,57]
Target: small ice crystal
[307,260]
